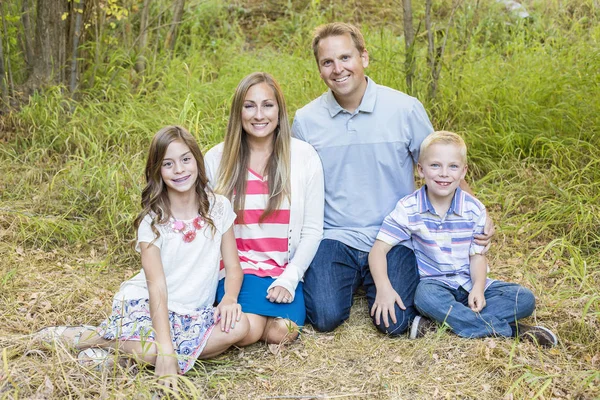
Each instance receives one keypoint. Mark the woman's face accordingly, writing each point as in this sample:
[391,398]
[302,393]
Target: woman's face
[260,112]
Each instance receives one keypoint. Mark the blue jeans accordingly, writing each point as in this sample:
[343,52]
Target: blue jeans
[338,270]
[505,304]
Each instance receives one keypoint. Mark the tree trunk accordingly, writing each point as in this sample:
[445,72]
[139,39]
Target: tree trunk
[140,62]
[171,38]
[78,10]
[434,53]
[409,38]
[26,11]
[50,44]
[3,85]
[10,77]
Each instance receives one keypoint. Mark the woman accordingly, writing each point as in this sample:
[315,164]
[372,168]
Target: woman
[280,216]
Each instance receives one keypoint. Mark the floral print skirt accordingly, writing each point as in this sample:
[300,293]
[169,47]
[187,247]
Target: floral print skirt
[130,320]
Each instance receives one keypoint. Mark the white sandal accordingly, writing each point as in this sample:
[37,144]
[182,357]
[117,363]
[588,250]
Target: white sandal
[54,334]
[95,358]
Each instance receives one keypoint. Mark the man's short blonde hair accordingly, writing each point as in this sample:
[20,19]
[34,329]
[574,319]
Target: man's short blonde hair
[337,29]
[444,137]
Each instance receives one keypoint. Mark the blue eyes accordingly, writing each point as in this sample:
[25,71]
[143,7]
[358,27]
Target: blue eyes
[453,166]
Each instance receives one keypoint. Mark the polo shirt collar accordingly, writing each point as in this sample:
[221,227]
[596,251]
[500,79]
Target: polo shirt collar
[456,207]
[367,103]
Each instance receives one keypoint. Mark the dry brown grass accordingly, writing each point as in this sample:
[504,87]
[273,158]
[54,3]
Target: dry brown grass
[354,362]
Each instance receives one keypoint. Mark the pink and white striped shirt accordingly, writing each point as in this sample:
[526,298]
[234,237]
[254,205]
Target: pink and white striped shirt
[263,247]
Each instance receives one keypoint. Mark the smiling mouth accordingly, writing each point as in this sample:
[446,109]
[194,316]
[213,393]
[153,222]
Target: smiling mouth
[259,126]
[179,180]
[341,80]
[443,183]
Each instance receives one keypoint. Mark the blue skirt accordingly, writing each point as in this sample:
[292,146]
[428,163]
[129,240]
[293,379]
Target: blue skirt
[253,299]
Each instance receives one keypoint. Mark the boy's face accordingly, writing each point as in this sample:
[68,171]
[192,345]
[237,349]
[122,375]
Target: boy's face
[442,168]
[342,66]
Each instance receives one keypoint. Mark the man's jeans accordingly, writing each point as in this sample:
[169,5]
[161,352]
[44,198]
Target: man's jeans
[338,270]
[505,303]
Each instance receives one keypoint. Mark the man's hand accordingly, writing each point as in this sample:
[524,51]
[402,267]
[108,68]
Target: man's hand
[485,239]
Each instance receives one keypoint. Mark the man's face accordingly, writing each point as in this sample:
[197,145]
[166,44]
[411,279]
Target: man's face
[342,67]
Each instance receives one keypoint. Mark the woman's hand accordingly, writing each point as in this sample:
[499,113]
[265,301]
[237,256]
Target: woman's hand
[279,294]
[229,311]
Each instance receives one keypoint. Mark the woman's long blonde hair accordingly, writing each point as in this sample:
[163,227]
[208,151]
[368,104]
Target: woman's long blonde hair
[233,170]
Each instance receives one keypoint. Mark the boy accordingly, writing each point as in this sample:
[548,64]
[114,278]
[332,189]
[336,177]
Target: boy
[441,220]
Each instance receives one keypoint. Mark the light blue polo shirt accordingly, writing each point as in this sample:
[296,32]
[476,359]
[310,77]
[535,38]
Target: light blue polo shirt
[368,158]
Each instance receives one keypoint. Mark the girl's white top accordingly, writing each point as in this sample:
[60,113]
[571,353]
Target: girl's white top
[191,269]
[306,208]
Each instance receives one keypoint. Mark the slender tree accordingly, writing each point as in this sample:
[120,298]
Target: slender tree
[409,38]
[3,86]
[11,83]
[78,10]
[171,38]
[26,11]
[435,54]
[140,62]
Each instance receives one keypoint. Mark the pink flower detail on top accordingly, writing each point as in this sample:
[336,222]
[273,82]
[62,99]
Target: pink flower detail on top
[189,236]
[188,230]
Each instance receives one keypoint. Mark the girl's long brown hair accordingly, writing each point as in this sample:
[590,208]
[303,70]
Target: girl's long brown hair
[233,170]
[155,200]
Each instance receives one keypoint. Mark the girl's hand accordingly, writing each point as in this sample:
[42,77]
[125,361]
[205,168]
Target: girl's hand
[385,299]
[166,369]
[279,294]
[476,300]
[230,312]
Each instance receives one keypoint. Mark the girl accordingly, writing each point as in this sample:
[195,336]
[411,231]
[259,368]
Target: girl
[164,315]
[276,186]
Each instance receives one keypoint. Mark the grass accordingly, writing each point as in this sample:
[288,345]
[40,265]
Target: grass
[524,95]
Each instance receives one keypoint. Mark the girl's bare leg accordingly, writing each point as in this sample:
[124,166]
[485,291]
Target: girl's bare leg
[219,341]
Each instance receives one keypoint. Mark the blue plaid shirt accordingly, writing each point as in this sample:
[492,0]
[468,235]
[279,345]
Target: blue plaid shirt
[442,244]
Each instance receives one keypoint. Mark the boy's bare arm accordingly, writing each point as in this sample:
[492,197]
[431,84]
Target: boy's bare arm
[386,296]
[478,269]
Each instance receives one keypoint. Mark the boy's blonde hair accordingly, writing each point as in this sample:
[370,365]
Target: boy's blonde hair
[444,137]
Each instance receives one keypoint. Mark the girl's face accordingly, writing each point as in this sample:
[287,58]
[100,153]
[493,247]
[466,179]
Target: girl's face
[260,112]
[179,170]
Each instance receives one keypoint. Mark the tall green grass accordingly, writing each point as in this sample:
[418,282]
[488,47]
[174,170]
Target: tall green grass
[524,94]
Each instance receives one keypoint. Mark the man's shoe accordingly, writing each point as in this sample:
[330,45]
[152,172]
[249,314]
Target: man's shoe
[420,326]
[536,334]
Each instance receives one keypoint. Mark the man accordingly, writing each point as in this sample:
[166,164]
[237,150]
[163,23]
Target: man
[368,137]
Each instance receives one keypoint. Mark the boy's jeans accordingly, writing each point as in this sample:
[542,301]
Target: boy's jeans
[338,270]
[505,304]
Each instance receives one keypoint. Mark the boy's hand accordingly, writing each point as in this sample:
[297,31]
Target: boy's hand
[279,294]
[384,305]
[476,300]
[229,311]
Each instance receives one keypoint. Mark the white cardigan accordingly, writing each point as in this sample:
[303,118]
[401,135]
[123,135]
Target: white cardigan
[306,208]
